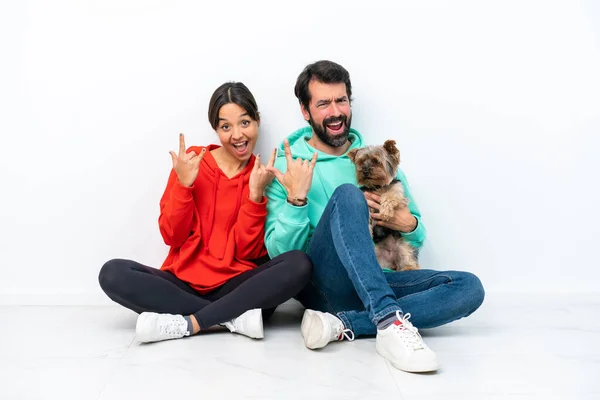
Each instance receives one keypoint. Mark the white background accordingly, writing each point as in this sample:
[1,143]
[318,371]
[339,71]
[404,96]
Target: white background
[495,107]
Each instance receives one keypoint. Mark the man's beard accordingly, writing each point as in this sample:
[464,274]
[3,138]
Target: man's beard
[332,140]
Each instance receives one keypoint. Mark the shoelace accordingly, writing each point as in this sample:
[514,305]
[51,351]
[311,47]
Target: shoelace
[341,333]
[409,333]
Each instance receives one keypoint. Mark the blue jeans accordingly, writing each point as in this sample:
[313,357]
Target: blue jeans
[347,280]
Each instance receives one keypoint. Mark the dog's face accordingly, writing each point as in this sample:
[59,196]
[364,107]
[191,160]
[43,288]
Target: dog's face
[375,165]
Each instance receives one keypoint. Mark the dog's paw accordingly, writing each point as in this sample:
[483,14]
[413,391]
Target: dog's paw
[386,211]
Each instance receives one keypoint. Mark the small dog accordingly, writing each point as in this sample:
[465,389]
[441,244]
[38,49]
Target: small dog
[376,168]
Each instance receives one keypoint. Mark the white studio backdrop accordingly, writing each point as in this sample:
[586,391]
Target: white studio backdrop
[495,107]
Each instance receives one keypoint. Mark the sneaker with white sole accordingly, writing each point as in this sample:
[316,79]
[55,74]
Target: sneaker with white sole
[248,324]
[402,345]
[154,327]
[319,329]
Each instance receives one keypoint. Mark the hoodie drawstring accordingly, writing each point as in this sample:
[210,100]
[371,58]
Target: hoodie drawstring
[211,215]
[233,218]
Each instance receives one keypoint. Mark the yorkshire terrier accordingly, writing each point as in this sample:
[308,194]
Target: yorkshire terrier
[376,168]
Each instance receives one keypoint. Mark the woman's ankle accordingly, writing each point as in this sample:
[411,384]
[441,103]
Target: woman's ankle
[193,326]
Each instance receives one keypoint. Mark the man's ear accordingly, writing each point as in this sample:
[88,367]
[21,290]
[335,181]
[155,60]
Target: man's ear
[305,112]
[352,154]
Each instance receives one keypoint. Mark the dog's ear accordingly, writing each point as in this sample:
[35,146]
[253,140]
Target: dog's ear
[352,154]
[392,150]
[390,147]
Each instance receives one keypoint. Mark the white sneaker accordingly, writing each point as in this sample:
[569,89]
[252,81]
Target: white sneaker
[319,328]
[153,327]
[402,345]
[249,324]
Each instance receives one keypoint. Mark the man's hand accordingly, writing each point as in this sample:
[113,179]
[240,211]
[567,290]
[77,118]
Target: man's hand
[402,220]
[260,177]
[186,165]
[298,176]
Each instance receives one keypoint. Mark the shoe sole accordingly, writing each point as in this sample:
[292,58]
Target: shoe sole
[414,367]
[313,332]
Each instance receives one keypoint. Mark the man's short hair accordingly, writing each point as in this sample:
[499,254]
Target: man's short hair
[323,71]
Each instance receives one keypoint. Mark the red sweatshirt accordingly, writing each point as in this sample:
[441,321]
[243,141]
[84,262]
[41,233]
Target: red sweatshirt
[213,228]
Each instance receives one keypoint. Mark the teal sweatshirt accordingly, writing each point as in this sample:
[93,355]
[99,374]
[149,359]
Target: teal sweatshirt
[290,227]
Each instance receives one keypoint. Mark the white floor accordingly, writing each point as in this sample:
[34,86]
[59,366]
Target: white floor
[514,347]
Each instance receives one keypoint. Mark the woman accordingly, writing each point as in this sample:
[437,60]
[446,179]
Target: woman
[212,216]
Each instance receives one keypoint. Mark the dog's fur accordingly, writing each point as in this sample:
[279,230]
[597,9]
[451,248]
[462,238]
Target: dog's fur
[376,168]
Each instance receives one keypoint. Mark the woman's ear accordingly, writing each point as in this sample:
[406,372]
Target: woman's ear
[258,118]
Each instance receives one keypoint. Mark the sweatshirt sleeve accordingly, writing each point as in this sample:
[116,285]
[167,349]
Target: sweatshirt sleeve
[287,226]
[249,230]
[176,212]
[416,238]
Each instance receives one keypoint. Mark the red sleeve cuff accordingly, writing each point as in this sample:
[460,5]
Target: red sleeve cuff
[256,209]
[182,193]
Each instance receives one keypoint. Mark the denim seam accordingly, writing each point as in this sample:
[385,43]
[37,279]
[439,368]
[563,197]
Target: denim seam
[426,280]
[347,325]
[349,256]
[425,291]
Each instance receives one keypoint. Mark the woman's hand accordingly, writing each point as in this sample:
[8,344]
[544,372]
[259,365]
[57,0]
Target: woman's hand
[186,165]
[260,177]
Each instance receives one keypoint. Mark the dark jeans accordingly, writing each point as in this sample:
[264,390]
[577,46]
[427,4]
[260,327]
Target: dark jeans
[141,288]
[347,280]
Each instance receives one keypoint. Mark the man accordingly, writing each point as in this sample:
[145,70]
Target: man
[316,207]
